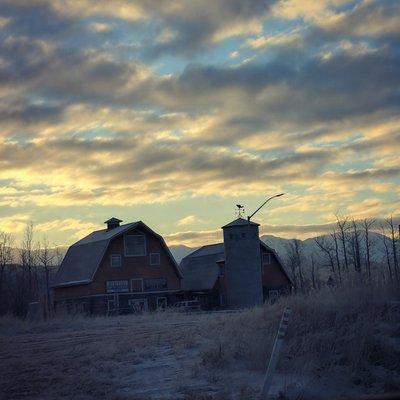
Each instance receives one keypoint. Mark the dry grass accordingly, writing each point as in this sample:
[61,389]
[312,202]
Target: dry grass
[351,333]
[355,329]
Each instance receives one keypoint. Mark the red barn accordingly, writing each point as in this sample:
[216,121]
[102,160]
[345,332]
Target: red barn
[122,267]
[204,275]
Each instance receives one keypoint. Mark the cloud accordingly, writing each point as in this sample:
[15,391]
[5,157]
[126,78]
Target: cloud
[173,100]
[194,26]
[292,38]
[76,227]
[194,238]
[367,18]
[14,223]
[100,27]
[189,220]
[197,27]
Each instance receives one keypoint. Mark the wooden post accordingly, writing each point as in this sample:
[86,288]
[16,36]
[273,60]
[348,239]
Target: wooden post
[273,361]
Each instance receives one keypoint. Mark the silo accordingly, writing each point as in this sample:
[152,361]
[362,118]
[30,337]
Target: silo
[242,264]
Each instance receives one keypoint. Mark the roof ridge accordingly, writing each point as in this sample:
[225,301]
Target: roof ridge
[193,253]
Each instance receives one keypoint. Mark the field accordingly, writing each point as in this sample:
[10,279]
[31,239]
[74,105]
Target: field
[340,342]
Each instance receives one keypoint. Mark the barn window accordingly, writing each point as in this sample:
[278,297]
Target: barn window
[154,284]
[115,260]
[117,286]
[138,305]
[135,245]
[266,258]
[154,258]
[137,285]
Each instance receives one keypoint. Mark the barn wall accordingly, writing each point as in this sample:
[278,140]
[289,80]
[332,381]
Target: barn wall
[273,276]
[99,304]
[131,268]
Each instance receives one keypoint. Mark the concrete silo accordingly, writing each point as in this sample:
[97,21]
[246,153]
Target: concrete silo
[242,264]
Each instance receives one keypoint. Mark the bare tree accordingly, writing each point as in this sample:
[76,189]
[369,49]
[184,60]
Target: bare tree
[342,223]
[314,278]
[390,224]
[385,241]
[46,257]
[334,236]
[27,256]
[6,257]
[326,249]
[59,256]
[355,243]
[295,263]
[368,224]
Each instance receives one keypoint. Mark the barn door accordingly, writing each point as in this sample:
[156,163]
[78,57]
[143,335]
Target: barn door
[138,305]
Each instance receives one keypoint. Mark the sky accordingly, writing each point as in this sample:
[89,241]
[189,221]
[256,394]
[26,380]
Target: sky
[172,112]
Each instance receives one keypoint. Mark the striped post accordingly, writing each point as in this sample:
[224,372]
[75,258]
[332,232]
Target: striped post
[273,361]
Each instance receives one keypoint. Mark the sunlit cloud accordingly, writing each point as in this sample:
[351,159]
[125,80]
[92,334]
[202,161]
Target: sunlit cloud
[123,105]
[189,220]
[282,39]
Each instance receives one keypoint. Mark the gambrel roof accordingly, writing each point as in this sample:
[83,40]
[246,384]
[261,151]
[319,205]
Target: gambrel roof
[84,257]
[200,269]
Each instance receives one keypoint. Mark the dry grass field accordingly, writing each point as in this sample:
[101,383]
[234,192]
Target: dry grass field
[340,342]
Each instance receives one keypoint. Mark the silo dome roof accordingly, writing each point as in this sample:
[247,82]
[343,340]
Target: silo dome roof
[240,222]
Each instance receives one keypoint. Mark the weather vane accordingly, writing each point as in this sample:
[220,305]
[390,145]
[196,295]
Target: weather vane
[240,210]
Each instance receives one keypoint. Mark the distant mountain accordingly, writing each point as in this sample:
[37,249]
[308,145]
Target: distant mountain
[308,248]
[181,251]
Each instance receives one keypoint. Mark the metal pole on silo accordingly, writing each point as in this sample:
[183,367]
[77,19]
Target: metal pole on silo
[273,361]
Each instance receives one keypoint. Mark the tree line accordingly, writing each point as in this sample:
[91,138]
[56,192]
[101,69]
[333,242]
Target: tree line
[348,253]
[26,269]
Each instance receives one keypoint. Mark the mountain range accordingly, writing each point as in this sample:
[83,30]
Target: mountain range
[308,248]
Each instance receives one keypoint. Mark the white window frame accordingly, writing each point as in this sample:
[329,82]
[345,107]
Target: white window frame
[162,298]
[137,279]
[117,280]
[120,260]
[159,258]
[144,244]
[157,289]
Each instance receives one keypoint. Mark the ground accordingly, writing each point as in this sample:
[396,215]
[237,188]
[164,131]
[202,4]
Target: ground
[350,351]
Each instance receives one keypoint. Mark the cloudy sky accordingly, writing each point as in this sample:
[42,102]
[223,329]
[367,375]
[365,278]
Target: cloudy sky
[174,111]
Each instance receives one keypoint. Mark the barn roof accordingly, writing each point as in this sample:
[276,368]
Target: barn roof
[84,257]
[200,269]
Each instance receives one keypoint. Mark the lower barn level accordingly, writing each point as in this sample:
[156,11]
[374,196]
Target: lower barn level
[117,303]
[216,298]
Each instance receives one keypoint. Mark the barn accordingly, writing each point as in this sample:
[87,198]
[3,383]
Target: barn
[121,267]
[205,272]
